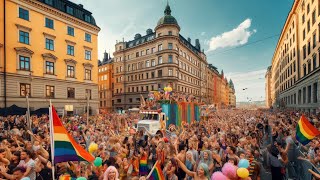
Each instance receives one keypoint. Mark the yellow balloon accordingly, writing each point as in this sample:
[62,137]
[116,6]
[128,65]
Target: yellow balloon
[93,147]
[165,89]
[169,89]
[242,172]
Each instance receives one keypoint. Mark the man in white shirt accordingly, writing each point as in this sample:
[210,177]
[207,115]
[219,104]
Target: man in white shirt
[28,164]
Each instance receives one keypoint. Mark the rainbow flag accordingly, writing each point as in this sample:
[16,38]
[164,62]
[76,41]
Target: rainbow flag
[63,147]
[157,173]
[143,166]
[305,131]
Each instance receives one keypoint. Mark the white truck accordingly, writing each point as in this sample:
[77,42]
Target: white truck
[152,121]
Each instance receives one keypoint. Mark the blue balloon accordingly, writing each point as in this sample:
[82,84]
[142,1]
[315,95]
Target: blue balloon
[243,163]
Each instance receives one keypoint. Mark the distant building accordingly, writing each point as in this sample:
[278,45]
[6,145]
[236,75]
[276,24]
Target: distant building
[105,84]
[50,52]
[157,59]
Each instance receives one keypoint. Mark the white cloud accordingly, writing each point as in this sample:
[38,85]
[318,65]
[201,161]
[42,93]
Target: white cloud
[254,81]
[238,36]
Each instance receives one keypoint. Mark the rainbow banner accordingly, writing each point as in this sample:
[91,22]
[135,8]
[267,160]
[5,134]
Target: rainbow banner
[305,131]
[157,173]
[64,147]
[181,112]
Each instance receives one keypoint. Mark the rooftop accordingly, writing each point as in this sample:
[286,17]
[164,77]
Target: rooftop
[75,10]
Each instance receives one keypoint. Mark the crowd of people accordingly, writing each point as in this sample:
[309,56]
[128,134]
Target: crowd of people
[204,150]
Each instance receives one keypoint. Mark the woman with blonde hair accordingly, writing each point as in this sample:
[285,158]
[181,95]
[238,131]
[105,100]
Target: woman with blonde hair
[111,174]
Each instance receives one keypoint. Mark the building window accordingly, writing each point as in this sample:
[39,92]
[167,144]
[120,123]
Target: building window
[304,34]
[69,10]
[50,2]
[130,100]
[25,89]
[148,63]
[314,40]
[315,92]
[23,37]
[308,25]
[309,66]
[159,73]
[24,63]
[87,55]
[49,44]
[170,72]
[160,47]
[170,46]
[314,61]
[160,60]
[70,71]
[170,59]
[23,14]
[304,95]
[313,17]
[153,62]
[49,67]
[299,97]
[49,23]
[88,37]
[304,51]
[71,92]
[87,18]
[303,19]
[170,33]
[50,91]
[147,88]
[87,74]
[70,50]
[152,74]
[152,50]
[70,31]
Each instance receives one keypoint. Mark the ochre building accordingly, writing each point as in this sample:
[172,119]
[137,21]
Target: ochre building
[48,50]
[294,76]
[105,84]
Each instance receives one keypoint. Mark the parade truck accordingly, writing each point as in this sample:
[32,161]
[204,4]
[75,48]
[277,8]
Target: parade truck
[176,113]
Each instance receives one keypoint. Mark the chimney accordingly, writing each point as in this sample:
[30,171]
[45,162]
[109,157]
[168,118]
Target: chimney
[198,44]
[81,6]
[105,57]
[189,40]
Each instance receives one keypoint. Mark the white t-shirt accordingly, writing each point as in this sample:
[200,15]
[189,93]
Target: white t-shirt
[30,164]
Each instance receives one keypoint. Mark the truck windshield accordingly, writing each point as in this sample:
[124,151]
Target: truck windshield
[150,117]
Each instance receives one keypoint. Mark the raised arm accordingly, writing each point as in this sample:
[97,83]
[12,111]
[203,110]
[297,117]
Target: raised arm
[185,169]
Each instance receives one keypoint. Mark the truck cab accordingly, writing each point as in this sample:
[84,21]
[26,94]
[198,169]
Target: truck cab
[151,121]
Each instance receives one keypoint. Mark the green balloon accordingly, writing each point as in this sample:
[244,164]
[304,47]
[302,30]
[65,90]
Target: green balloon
[97,162]
[81,178]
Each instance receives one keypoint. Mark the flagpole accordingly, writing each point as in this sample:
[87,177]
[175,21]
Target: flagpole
[150,173]
[51,139]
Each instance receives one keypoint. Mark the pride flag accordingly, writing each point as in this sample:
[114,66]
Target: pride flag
[305,131]
[157,173]
[63,147]
[143,166]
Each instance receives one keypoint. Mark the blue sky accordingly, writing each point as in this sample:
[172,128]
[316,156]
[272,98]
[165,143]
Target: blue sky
[219,24]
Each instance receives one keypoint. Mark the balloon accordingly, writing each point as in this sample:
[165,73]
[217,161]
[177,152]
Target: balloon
[93,147]
[97,162]
[230,170]
[243,163]
[81,178]
[243,172]
[218,176]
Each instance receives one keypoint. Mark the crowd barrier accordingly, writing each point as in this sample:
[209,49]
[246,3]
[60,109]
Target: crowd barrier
[296,168]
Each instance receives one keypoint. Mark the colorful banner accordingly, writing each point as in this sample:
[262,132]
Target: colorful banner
[181,112]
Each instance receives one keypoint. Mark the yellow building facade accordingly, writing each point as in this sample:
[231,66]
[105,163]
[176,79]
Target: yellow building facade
[51,53]
[295,69]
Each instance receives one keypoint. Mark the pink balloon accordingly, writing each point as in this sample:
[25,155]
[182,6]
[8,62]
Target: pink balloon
[218,176]
[230,171]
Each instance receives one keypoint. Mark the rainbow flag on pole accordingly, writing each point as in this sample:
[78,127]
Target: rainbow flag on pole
[157,173]
[305,131]
[63,147]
